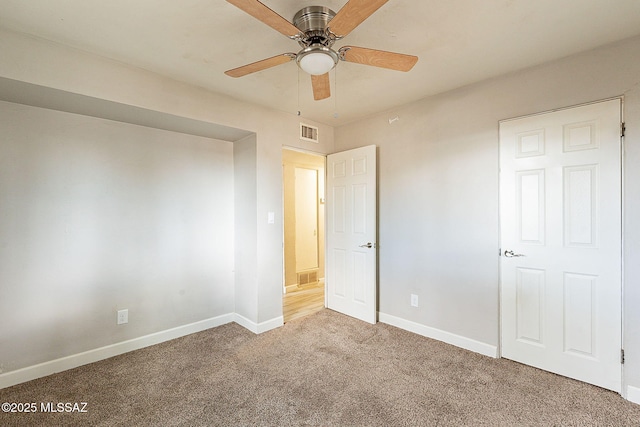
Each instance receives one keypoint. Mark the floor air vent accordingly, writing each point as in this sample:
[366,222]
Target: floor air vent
[308,133]
[307,277]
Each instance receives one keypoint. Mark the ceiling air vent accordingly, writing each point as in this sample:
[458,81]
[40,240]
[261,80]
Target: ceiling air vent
[308,133]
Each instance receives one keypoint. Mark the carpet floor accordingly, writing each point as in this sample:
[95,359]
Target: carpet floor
[322,370]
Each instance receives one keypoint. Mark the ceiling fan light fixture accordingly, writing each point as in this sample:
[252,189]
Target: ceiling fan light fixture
[317,60]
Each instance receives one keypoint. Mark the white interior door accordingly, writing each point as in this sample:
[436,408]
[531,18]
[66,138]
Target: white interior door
[560,210]
[351,252]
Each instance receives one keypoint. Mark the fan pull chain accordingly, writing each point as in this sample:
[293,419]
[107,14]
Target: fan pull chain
[298,70]
[335,91]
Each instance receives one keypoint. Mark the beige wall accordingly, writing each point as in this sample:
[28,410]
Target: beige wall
[98,216]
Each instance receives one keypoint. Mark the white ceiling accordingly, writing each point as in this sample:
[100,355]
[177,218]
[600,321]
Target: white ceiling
[458,42]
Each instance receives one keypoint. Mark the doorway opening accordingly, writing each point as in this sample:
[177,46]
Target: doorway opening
[304,263]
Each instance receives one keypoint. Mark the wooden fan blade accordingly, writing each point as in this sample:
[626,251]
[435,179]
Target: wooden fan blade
[321,86]
[260,65]
[266,15]
[378,58]
[353,14]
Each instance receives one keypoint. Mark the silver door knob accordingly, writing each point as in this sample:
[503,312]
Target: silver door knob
[511,254]
[368,245]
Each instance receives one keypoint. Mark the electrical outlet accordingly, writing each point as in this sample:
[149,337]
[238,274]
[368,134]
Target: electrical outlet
[123,316]
[414,300]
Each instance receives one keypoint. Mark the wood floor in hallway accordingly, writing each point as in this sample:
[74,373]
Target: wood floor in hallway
[303,301]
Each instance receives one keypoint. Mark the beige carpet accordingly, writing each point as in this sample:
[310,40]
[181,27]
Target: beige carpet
[323,370]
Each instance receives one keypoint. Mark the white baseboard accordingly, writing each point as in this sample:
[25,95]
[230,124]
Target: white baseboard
[633,394]
[270,324]
[69,362]
[291,288]
[258,328]
[437,334]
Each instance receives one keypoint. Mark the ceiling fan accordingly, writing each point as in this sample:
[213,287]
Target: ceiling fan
[316,29]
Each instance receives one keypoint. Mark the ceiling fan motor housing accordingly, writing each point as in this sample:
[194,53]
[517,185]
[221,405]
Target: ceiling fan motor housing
[312,22]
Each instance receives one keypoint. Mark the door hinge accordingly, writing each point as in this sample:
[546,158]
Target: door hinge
[622,356]
[623,128]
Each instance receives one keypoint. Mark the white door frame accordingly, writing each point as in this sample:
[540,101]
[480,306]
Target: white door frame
[622,201]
